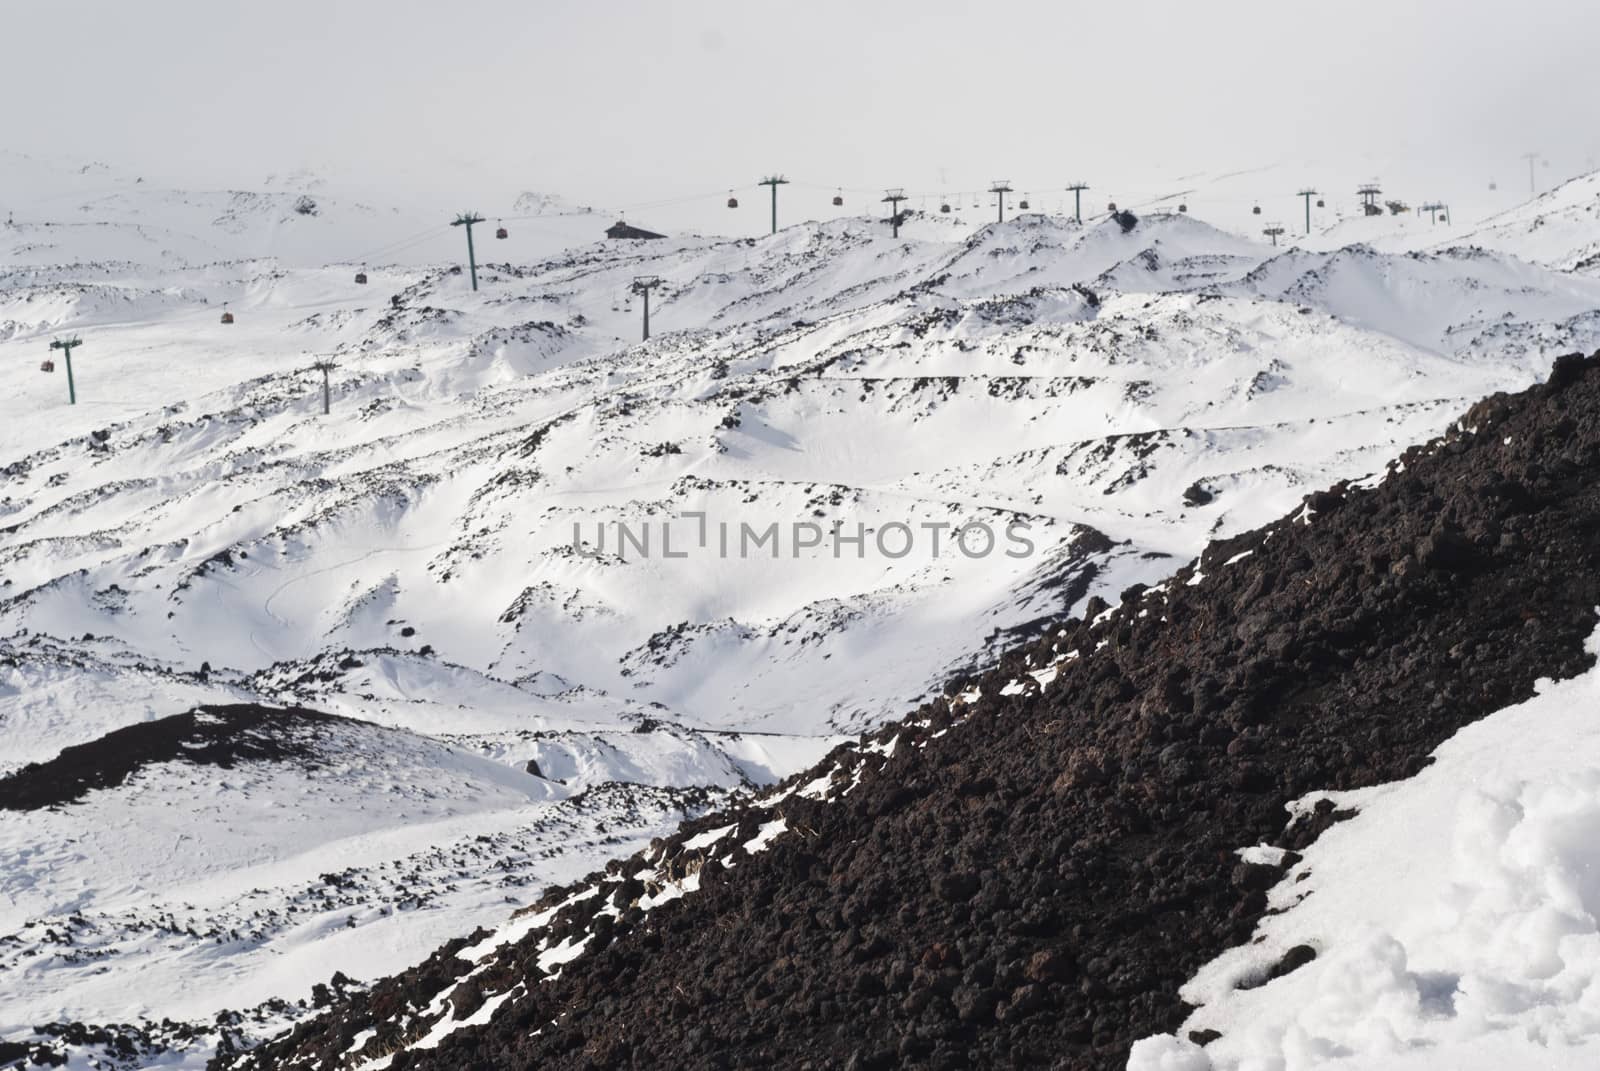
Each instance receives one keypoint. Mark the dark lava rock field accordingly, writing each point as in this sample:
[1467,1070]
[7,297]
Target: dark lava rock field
[1026,880]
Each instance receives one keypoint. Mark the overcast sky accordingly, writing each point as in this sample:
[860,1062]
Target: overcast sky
[618,103]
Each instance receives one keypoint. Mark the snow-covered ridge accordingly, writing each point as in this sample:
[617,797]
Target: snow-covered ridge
[563,924]
[225,855]
[1036,406]
[1559,228]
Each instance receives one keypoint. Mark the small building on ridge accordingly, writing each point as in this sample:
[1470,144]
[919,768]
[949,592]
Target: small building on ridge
[621,229]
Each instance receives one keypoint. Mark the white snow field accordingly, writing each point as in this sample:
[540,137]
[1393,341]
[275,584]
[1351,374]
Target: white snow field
[183,847]
[195,530]
[1455,918]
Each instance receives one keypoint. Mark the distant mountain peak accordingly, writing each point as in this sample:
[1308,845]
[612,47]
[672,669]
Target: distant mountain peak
[300,180]
[532,203]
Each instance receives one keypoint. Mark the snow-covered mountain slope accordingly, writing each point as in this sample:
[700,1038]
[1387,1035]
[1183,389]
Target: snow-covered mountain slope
[440,555]
[1560,228]
[1027,871]
[1484,957]
[224,858]
[1551,227]
[833,376]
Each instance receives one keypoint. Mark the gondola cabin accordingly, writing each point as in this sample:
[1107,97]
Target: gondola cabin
[361,278]
[501,232]
[47,366]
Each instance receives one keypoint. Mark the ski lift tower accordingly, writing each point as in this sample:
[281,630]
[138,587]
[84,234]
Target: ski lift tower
[1076,189]
[66,346]
[1369,194]
[1532,158]
[774,181]
[643,284]
[1273,232]
[893,198]
[1307,194]
[467,219]
[326,366]
[1001,187]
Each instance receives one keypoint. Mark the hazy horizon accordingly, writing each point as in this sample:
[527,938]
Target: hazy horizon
[644,103]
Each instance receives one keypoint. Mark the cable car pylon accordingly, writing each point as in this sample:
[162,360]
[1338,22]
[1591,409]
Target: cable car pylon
[1076,189]
[643,284]
[467,219]
[774,181]
[1308,193]
[1001,187]
[325,365]
[893,198]
[66,346]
